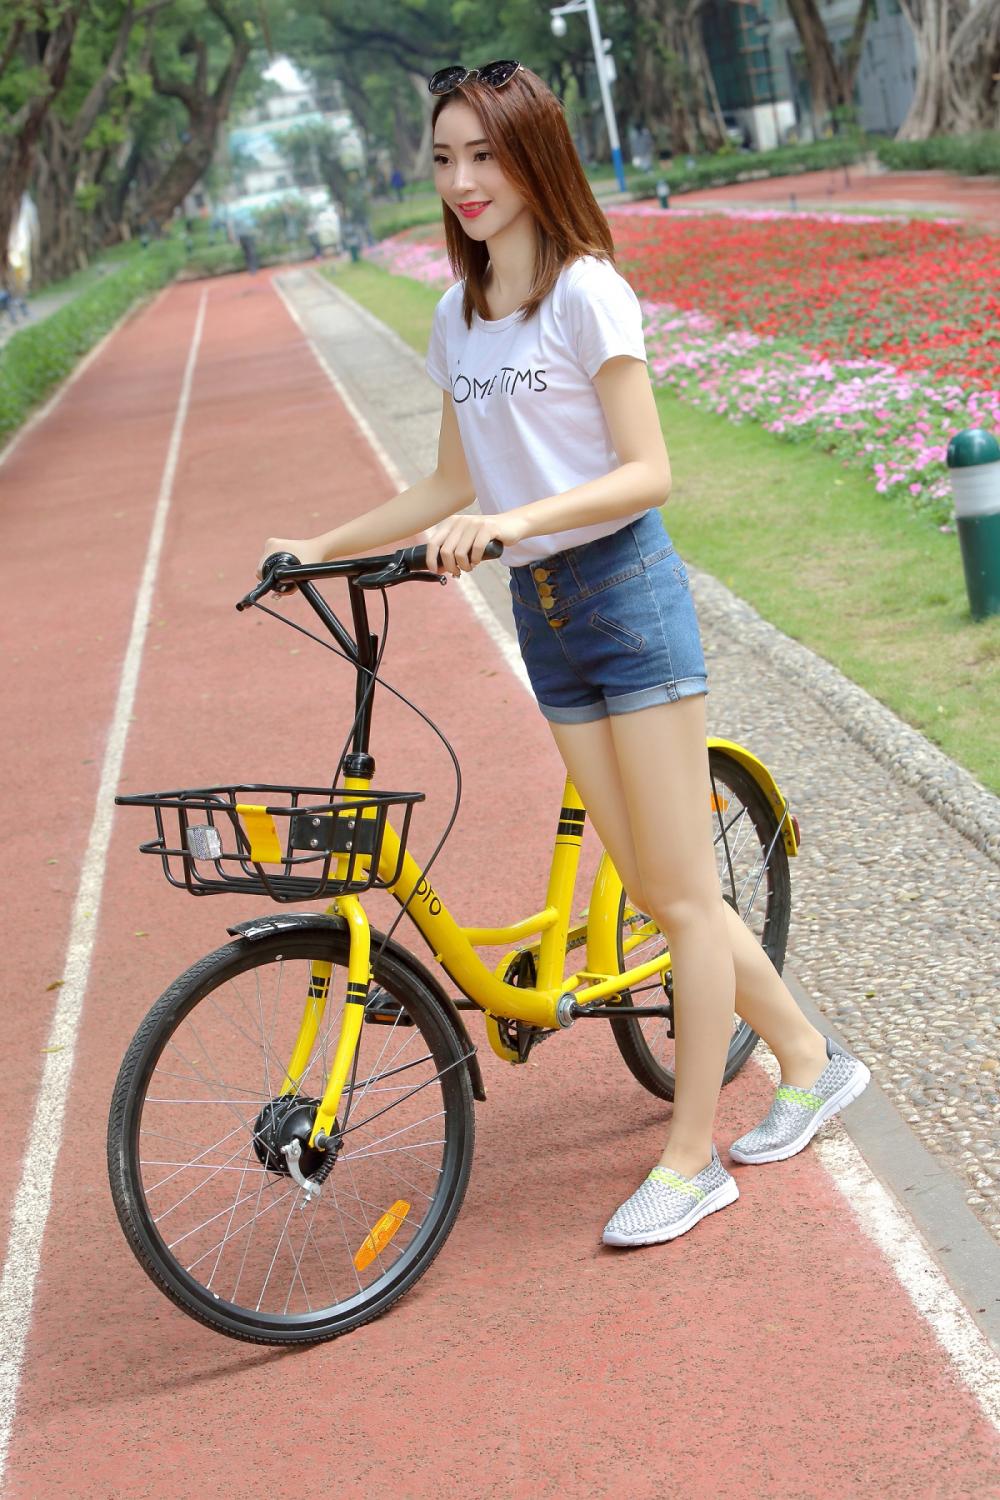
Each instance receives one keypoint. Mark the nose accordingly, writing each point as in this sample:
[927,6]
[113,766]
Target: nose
[463,176]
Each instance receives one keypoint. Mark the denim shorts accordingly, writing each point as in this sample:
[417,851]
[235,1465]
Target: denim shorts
[609,627]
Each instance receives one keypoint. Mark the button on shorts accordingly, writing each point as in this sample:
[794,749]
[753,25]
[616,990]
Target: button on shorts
[609,627]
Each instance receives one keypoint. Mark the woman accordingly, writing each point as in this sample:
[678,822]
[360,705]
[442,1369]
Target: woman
[548,419]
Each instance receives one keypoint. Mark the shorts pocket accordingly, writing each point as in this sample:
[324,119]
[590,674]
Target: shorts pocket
[619,633]
[525,630]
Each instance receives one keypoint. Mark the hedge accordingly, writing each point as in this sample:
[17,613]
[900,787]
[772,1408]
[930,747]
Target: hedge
[34,360]
[746,166]
[974,155]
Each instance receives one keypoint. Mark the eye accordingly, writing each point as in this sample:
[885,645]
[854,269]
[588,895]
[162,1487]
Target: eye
[440,161]
[483,156]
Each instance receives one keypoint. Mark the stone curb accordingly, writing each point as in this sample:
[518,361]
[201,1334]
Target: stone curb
[951,791]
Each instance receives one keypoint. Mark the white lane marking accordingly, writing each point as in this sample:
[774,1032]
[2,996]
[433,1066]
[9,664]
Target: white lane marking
[471,592]
[887,1225]
[34,1193]
[875,1209]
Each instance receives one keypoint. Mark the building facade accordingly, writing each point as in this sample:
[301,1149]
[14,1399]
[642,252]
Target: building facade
[760,73]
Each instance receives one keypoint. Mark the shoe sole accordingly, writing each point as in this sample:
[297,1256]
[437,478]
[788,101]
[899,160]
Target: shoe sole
[836,1102]
[720,1198]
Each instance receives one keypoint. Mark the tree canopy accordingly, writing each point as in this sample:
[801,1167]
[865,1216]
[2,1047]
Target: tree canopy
[111,110]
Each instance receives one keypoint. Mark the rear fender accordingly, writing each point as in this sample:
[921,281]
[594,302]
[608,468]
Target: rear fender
[767,784]
[294,921]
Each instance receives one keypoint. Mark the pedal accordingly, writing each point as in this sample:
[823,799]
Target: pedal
[382,1010]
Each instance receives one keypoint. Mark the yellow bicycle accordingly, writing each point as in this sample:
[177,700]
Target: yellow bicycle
[291,1132]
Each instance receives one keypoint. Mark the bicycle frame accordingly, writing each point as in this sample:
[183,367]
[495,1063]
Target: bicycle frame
[453,945]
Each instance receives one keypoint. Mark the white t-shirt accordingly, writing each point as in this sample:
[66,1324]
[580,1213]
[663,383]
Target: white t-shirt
[530,419]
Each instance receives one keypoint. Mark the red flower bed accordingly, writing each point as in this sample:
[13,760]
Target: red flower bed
[921,296]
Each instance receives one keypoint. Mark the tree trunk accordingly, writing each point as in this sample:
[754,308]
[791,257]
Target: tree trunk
[821,64]
[54,185]
[206,112]
[974,83]
[423,163]
[660,71]
[19,141]
[708,114]
[931,21]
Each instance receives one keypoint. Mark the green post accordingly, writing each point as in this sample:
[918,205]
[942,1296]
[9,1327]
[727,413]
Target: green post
[974,465]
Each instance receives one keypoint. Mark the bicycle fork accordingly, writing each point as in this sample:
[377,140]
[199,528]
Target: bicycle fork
[358,979]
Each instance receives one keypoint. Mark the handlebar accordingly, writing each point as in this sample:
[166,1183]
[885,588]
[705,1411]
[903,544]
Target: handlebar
[283,572]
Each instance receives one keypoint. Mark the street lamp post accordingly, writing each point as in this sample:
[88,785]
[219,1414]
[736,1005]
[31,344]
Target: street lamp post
[574,7]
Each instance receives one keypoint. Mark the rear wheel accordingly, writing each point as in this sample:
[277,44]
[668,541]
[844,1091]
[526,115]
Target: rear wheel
[753,869]
[202,1111]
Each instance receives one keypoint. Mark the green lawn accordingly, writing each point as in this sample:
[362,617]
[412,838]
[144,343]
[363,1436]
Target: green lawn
[809,544]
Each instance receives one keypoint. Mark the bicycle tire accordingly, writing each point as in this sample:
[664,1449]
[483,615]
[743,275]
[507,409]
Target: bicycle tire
[211,1000]
[644,1045]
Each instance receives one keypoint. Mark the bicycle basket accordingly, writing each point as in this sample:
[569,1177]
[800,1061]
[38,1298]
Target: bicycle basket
[290,843]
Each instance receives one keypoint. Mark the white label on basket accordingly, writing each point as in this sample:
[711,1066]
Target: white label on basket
[203,841]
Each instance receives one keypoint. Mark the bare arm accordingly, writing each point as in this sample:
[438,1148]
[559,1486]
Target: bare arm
[447,490]
[641,480]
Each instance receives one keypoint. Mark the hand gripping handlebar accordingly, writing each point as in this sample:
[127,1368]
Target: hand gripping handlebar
[282,572]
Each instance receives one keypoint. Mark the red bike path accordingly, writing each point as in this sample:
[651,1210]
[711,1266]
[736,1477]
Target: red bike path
[974,199]
[770,1352]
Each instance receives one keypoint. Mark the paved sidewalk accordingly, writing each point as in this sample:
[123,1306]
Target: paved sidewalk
[859,187]
[894,932]
[974,199]
[39,308]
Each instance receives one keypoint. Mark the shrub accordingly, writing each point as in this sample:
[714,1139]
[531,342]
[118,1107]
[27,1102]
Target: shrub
[37,358]
[743,166]
[972,155]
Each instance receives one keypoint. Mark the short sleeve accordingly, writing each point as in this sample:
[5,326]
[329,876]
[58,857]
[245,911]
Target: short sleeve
[604,316]
[436,363]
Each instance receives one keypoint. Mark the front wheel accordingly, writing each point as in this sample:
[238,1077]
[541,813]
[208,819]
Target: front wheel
[753,869]
[203,1110]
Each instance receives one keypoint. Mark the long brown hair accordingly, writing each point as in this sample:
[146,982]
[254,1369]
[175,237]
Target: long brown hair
[527,133]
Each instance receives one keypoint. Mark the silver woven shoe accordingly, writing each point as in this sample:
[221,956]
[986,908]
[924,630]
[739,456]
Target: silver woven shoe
[667,1204]
[796,1114]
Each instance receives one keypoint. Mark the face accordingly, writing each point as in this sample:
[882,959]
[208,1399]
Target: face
[467,176]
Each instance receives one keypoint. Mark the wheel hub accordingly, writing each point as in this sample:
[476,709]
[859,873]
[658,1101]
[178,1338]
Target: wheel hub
[283,1120]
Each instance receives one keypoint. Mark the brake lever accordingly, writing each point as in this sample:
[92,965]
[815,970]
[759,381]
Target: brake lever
[396,573]
[267,584]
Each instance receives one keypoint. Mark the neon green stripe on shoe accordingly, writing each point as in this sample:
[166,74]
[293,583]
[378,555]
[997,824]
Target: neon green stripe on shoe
[799,1096]
[680,1184]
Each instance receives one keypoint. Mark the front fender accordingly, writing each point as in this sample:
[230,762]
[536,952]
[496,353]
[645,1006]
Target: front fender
[264,927]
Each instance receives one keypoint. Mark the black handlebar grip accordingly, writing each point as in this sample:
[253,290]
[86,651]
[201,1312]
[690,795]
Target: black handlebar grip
[278,560]
[415,558]
[274,560]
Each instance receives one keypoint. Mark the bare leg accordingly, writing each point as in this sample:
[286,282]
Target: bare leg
[671,812]
[766,1003]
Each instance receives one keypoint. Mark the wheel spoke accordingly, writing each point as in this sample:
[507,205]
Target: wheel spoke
[211,1184]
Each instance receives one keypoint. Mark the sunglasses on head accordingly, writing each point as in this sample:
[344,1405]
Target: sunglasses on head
[496,74]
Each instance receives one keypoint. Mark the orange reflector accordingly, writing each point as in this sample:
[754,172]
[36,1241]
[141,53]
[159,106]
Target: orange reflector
[381,1234]
[719,804]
